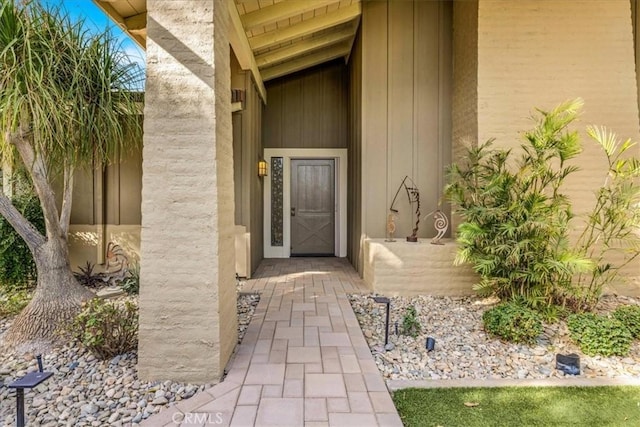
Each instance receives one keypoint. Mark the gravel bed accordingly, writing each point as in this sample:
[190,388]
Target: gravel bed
[85,391]
[464,350]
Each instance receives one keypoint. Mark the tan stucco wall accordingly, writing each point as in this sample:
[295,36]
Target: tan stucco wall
[87,243]
[465,75]
[187,294]
[401,268]
[538,54]
[533,53]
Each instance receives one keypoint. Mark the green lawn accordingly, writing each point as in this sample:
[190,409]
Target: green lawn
[520,406]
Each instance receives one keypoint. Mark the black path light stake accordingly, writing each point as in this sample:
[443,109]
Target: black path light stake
[430,344]
[387,301]
[31,380]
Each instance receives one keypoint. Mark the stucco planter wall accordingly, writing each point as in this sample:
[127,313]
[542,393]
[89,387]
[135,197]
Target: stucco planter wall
[403,268]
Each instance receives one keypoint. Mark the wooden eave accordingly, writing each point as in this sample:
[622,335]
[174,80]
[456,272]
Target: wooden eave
[270,38]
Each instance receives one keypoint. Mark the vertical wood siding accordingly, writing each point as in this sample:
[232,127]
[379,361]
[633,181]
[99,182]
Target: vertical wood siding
[354,146]
[307,109]
[406,109]
[247,150]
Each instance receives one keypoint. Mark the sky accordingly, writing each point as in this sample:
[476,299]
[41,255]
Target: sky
[96,19]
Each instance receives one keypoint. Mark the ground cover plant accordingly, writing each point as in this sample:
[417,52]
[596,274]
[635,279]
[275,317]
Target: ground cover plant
[13,300]
[597,334]
[519,406]
[513,322]
[629,315]
[517,221]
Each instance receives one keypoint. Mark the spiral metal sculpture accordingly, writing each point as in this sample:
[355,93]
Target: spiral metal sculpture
[441,224]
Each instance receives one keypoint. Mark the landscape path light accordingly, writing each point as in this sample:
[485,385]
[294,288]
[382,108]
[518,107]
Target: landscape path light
[387,301]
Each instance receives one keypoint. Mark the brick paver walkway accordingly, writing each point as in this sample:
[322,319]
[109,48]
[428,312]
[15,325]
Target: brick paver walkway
[303,359]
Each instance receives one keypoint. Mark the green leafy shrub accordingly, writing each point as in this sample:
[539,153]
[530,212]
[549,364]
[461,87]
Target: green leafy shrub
[516,219]
[17,267]
[629,315]
[513,322]
[410,323]
[106,328]
[131,283]
[599,335]
[12,301]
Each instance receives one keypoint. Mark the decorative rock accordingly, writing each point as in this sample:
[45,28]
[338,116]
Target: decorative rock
[160,401]
[38,402]
[465,351]
[89,408]
[113,418]
[85,391]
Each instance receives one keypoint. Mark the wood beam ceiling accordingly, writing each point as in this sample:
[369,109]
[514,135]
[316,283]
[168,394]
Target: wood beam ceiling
[136,24]
[305,46]
[283,10]
[307,61]
[139,35]
[240,45]
[304,28]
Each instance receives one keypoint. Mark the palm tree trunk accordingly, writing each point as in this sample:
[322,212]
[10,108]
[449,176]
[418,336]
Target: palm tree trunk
[57,299]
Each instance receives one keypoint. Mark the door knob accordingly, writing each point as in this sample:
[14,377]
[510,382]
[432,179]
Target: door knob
[293,211]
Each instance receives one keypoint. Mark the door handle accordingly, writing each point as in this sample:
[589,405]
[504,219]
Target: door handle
[293,211]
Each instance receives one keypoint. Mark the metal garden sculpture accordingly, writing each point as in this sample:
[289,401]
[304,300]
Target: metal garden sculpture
[413,194]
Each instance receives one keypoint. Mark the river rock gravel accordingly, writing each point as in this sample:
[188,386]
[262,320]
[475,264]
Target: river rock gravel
[85,391]
[464,350]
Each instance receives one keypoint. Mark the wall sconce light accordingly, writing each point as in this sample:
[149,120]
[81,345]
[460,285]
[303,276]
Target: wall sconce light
[262,168]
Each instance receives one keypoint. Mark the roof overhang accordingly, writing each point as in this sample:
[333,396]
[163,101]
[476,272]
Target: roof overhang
[269,40]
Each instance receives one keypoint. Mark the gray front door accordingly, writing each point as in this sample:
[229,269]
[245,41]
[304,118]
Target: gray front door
[312,207]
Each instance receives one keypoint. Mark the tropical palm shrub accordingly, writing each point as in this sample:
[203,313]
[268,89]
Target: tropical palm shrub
[516,219]
[515,230]
[610,238]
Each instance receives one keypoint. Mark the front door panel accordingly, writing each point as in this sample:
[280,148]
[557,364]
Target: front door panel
[312,207]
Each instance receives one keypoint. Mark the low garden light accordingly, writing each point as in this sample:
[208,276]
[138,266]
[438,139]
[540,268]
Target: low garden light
[29,381]
[568,363]
[430,345]
[387,301]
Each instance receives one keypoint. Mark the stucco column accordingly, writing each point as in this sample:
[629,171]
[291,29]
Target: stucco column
[187,296]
